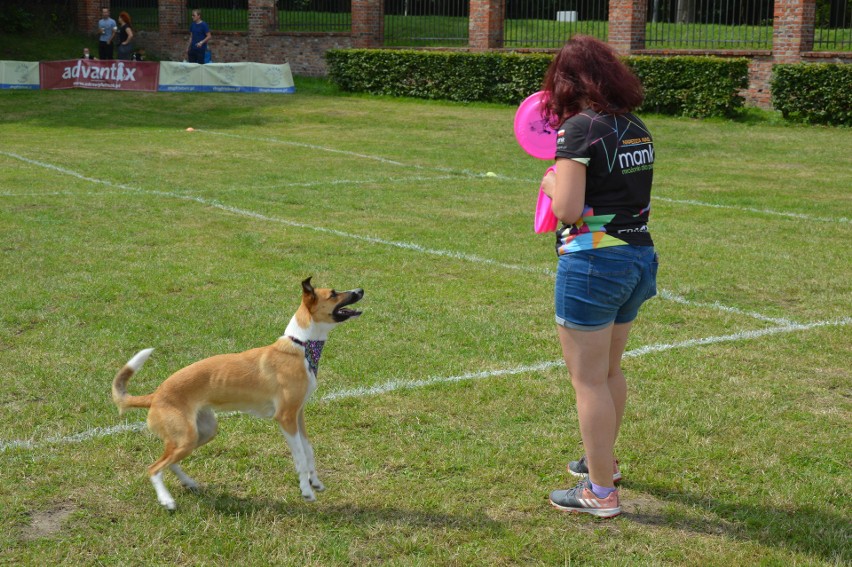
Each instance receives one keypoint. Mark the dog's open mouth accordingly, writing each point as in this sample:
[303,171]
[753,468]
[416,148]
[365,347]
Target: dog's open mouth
[342,311]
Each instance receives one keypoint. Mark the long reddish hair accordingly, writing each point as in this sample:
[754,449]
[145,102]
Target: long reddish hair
[587,73]
[126,17]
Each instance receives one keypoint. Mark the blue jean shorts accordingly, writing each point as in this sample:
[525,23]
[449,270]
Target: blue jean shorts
[596,288]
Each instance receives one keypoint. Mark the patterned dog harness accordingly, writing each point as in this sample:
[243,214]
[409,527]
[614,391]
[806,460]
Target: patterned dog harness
[313,351]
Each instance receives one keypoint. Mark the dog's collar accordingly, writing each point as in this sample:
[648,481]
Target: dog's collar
[313,351]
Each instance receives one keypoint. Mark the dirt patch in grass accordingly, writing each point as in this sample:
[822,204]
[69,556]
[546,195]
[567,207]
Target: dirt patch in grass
[47,522]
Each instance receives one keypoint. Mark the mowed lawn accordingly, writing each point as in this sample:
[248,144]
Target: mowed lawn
[444,414]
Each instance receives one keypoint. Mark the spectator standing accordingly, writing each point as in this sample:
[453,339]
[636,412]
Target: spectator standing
[199,35]
[106,35]
[125,37]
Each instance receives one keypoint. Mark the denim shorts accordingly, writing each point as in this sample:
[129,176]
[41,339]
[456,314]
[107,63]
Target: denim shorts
[596,288]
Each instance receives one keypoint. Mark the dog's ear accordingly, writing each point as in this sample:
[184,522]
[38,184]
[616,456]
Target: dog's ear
[308,289]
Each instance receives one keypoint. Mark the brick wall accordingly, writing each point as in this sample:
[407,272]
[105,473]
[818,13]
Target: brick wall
[305,52]
[792,42]
[261,43]
[793,36]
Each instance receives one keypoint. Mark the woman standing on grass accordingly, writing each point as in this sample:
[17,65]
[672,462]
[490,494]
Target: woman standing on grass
[125,37]
[607,268]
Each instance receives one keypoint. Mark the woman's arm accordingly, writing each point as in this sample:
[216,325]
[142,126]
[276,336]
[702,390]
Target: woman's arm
[129,36]
[567,189]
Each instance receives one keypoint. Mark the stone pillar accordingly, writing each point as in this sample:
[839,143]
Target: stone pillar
[485,28]
[627,25]
[88,14]
[368,23]
[262,18]
[171,18]
[793,29]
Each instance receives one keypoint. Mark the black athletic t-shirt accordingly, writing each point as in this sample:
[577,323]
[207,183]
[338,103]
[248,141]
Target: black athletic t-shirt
[619,154]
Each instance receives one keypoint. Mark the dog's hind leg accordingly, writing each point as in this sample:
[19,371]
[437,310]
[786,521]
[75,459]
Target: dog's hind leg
[205,424]
[164,497]
[186,481]
[172,455]
[181,438]
[309,454]
[289,427]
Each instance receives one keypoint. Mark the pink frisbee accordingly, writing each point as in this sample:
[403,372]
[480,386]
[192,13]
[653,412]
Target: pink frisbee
[545,221]
[533,132]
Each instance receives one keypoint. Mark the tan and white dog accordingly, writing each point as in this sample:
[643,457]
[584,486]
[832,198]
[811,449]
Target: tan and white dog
[272,381]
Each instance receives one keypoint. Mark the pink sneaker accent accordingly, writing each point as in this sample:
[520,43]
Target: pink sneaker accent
[581,499]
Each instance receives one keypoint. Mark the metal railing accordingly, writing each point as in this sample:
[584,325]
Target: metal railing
[833,26]
[314,15]
[709,24]
[549,23]
[144,14]
[419,23]
[220,15]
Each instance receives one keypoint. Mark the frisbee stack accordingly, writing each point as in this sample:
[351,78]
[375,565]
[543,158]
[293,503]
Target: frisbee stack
[538,138]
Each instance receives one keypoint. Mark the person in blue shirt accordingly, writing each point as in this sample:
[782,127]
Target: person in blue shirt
[199,35]
[107,29]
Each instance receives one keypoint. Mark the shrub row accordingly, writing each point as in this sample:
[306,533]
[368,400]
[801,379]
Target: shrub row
[813,93]
[687,86]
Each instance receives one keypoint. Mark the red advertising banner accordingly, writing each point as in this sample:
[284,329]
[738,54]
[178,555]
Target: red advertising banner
[91,74]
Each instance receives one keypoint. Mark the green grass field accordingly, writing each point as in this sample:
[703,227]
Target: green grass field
[444,415]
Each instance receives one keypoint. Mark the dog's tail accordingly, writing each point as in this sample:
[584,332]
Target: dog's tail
[119,384]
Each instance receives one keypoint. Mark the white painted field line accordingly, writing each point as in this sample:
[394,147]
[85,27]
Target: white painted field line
[332,182]
[798,216]
[466,173]
[664,294]
[94,433]
[397,385]
[379,159]
[369,239]
[372,240]
[258,216]
[59,193]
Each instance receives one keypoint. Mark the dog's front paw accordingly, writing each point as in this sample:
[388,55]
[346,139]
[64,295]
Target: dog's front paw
[316,484]
[305,482]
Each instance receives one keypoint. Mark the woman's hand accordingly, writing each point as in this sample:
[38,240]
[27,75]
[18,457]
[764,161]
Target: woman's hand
[569,192]
[548,184]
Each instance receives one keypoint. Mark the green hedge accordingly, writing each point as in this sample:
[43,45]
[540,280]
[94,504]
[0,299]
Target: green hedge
[813,93]
[687,86]
[691,86]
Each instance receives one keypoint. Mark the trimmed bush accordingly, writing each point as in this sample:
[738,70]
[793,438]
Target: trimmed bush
[691,86]
[687,86]
[813,93]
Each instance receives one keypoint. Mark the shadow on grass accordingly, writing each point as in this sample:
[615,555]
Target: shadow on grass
[221,501]
[806,529]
